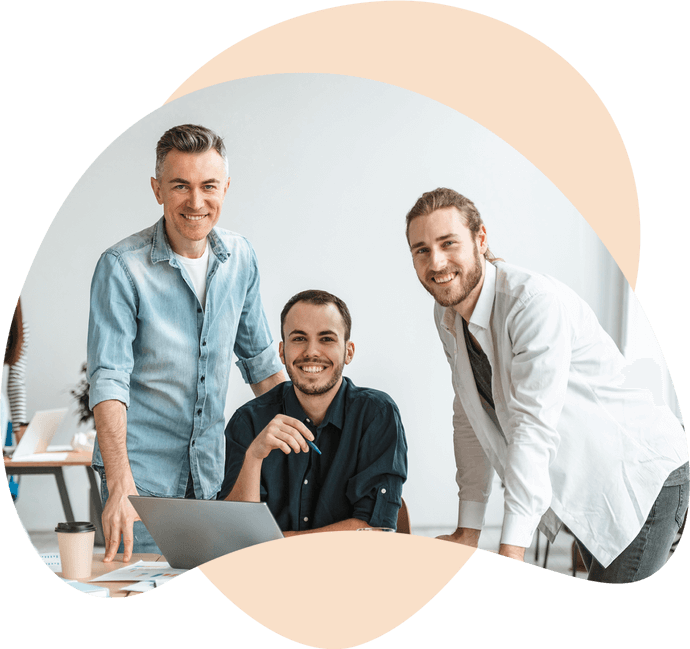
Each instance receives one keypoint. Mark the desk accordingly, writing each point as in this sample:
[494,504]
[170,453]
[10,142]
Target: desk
[74,458]
[100,568]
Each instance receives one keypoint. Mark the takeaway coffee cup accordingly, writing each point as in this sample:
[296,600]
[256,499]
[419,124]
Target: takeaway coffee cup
[75,541]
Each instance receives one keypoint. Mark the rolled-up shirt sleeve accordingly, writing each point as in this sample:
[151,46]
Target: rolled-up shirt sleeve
[112,329]
[254,347]
[375,491]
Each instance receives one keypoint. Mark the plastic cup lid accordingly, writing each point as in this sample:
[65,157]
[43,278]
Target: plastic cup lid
[71,528]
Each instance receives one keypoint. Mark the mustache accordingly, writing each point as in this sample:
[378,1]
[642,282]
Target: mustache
[306,358]
[444,271]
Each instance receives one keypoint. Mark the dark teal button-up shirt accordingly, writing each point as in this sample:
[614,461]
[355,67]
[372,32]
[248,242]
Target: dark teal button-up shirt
[360,471]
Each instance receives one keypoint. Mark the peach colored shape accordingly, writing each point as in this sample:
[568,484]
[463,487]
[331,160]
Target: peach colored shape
[336,589]
[495,74]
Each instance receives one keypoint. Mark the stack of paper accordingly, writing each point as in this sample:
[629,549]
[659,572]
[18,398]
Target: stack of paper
[90,589]
[147,574]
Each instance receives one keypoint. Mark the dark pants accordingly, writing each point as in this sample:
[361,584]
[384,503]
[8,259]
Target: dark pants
[650,549]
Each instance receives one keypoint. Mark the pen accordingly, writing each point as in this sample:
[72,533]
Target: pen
[314,446]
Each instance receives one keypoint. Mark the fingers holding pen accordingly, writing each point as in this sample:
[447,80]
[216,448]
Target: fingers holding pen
[284,433]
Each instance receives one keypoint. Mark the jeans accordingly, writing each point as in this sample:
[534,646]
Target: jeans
[650,549]
[143,541]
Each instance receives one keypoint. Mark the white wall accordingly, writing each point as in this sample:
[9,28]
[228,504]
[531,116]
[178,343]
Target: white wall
[324,169]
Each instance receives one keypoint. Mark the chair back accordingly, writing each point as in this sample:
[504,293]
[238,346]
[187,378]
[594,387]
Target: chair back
[403,525]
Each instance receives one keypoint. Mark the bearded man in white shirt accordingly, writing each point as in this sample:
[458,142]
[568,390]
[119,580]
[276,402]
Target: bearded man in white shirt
[539,399]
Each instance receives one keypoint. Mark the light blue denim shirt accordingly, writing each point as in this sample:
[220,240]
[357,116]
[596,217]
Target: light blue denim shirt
[153,347]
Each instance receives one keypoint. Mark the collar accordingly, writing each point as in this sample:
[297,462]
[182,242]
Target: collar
[336,410]
[161,250]
[481,316]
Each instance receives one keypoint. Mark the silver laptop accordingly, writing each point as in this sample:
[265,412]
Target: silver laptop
[39,433]
[191,532]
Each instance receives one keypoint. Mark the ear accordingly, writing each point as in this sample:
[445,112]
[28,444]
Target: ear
[156,187]
[482,241]
[349,352]
[225,191]
[281,352]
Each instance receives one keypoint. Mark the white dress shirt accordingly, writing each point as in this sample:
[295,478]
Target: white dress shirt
[577,445]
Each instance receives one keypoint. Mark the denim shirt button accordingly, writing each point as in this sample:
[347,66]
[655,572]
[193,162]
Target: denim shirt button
[203,378]
[198,412]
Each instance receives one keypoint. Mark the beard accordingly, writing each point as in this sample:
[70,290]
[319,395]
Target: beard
[316,388]
[454,295]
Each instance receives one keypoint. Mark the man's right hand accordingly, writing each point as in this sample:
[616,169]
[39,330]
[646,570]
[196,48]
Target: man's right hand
[118,521]
[285,433]
[282,432]
[118,518]
[463,535]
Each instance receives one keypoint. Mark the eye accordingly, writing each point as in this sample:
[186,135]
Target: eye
[421,251]
[297,339]
[447,244]
[327,339]
[180,187]
[209,188]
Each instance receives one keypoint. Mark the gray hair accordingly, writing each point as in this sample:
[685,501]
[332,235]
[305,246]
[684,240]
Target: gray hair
[188,138]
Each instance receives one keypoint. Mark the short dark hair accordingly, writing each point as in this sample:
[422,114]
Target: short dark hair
[320,298]
[188,138]
[443,197]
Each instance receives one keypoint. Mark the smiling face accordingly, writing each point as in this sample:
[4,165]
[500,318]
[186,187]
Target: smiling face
[314,350]
[191,190]
[448,258]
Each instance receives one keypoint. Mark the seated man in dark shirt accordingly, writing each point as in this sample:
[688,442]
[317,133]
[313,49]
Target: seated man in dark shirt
[356,479]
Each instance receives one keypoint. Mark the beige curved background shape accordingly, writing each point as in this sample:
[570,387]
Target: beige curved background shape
[495,74]
[530,97]
[337,589]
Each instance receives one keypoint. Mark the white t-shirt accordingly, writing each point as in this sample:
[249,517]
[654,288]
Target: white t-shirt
[197,270]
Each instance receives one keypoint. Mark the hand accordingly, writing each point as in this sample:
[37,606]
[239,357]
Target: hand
[118,520]
[284,433]
[463,535]
[512,551]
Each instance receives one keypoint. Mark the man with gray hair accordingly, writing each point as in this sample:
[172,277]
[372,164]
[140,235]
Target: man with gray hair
[169,306]
[540,398]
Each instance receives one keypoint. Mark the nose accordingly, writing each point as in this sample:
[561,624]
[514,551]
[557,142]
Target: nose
[312,349]
[195,200]
[437,260]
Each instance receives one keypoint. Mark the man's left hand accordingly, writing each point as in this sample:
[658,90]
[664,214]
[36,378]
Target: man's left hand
[512,551]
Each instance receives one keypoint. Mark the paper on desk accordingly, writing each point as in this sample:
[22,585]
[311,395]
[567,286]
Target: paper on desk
[141,571]
[144,586]
[41,457]
[139,587]
[52,561]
